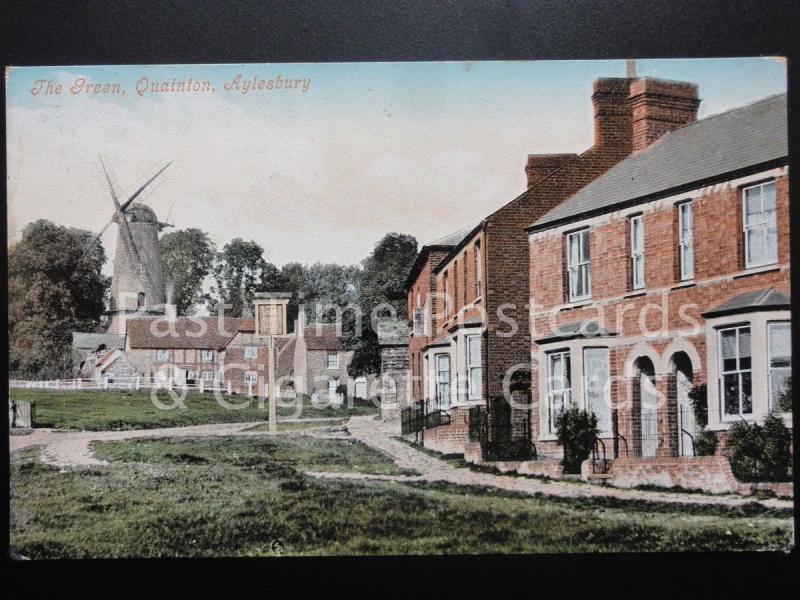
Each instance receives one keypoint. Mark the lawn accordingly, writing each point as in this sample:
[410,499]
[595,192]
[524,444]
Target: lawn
[105,410]
[235,496]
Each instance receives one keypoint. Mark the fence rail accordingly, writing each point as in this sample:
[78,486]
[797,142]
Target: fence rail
[126,383]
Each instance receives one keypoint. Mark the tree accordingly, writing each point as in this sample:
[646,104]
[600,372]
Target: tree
[381,283]
[577,431]
[55,286]
[239,271]
[187,258]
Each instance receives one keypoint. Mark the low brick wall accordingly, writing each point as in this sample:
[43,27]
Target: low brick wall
[452,438]
[542,468]
[708,473]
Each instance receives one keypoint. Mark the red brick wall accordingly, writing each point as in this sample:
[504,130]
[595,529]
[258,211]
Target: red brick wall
[452,438]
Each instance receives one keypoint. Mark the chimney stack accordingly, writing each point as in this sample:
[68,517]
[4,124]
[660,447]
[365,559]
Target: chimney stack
[612,114]
[658,107]
[170,312]
[541,165]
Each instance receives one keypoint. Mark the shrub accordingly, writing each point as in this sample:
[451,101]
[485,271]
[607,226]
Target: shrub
[760,453]
[705,442]
[577,431]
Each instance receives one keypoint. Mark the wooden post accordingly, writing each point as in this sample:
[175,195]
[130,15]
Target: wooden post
[273,400]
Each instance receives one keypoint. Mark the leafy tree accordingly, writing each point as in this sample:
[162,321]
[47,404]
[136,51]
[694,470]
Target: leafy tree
[381,282]
[55,286]
[187,258]
[576,430]
[239,271]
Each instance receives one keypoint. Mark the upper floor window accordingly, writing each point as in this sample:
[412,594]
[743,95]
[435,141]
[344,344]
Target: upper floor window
[578,265]
[251,352]
[686,241]
[419,322]
[477,270]
[446,296]
[559,385]
[735,371]
[206,355]
[637,252]
[162,355]
[332,361]
[780,366]
[474,370]
[760,228]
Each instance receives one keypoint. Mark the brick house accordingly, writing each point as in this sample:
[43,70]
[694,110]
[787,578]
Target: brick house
[181,349]
[668,271]
[479,333]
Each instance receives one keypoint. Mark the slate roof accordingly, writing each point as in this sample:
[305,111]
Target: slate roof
[757,300]
[90,341]
[701,151]
[444,243]
[189,332]
[326,339]
[576,329]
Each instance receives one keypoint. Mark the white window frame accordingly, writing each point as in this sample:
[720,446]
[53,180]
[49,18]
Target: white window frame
[443,400]
[420,321]
[763,225]
[208,376]
[686,241]
[473,394]
[251,377]
[555,387]
[163,355]
[250,352]
[574,270]
[446,296]
[604,419]
[637,252]
[478,272]
[206,356]
[770,368]
[332,364]
[738,371]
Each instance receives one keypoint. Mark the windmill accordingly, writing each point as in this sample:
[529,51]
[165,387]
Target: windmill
[137,284]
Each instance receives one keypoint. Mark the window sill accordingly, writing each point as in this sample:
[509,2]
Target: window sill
[577,304]
[635,294]
[683,285]
[771,268]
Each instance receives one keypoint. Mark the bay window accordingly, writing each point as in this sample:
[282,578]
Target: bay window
[780,364]
[578,265]
[735,371]
[596,375]
[474,369]
[559,386]
[443,381]
[760,226]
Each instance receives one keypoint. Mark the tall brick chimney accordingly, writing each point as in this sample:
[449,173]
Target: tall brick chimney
[541,165]
[612,114]
[658,107]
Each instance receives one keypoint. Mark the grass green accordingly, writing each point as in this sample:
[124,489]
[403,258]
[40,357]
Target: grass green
[234,496]
[118,410]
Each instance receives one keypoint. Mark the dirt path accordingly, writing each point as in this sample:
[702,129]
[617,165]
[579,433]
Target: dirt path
[379,436]
[73,448]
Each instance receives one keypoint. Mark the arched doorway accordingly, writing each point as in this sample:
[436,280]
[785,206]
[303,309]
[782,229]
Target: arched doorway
[647,409]
[680,366]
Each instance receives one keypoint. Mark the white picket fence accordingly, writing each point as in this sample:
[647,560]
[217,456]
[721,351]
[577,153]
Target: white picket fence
[126,383]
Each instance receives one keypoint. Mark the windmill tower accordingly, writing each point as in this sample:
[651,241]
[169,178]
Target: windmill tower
[137,285]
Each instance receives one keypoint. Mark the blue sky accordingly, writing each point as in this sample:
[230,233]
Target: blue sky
[420,148]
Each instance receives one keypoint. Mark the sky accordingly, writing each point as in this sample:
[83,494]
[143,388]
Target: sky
[318,172]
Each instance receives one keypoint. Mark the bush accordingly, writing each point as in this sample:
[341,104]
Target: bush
[705,442]
[577,431]
[760,453]
[785,401]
